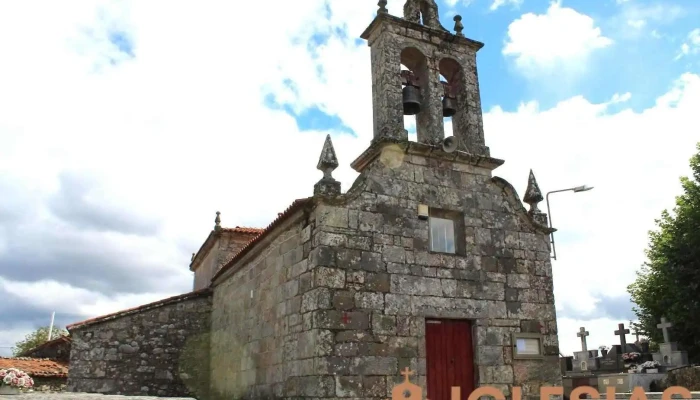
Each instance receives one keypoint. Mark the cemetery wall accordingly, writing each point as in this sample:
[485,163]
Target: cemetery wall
[687,377]
[257,329]
[156,349]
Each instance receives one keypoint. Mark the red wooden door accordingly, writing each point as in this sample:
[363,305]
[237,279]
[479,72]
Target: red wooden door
[449,358]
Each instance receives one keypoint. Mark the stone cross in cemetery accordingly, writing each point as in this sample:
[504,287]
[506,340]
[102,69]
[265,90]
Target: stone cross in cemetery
[621,331]
[582,334]
[664,325]
[669,354]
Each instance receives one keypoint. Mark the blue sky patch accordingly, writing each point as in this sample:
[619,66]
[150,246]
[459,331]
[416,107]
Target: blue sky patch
[122,41]
[641,58]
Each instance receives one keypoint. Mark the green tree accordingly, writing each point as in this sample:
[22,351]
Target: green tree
[36,338]
[668,284]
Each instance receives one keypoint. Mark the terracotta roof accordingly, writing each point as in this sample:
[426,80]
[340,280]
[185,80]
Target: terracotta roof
[243,229]
[58,340]
[35,367]
[156,304]
[296,205]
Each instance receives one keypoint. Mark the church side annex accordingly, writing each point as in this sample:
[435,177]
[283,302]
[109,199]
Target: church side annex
[428,261]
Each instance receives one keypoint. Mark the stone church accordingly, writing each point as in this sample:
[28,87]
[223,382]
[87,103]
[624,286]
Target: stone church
[428,262]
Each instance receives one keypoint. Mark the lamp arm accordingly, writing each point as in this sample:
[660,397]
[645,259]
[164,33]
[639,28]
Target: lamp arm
[549,218]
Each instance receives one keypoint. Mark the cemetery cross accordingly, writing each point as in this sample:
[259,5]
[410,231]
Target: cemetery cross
[622,332]
[664,325]
[582,334]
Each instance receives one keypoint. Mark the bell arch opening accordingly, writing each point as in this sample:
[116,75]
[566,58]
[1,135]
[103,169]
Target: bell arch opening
[414,78]
[409,121]
[453,97]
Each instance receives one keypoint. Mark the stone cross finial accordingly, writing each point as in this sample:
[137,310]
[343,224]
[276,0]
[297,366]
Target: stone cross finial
[217,221]
[621,332]
[458,25]
[327,163]
[533,194]
[382,7]
[413,10]
[664,325]
[582,334]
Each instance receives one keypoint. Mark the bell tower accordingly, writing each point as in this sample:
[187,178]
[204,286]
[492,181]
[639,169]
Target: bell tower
[427,50]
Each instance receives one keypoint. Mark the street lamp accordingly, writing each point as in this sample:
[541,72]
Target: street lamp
[576,189]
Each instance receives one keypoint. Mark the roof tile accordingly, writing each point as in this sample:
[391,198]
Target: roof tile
[35,367]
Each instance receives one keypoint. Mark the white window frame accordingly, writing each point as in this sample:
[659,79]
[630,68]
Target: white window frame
[443,249]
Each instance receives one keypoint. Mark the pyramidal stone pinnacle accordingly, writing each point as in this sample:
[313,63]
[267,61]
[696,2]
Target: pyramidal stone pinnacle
[327,163]
[533,194]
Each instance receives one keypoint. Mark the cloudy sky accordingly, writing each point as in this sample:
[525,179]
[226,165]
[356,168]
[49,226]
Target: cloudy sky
[125,125]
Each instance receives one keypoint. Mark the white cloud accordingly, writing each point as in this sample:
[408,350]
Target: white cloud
[561,39]
[498,3]
[603,232]
[636,23]
[182,130]
[692,44]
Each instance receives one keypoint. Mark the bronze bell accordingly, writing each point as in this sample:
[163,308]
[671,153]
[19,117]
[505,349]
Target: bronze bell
[449,106]
[411,100]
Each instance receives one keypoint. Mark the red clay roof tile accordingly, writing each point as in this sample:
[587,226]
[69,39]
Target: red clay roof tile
[36,367]
[245,230]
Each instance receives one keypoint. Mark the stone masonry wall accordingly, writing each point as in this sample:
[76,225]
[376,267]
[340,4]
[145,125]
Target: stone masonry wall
[230,244]
[256,321]
[60,350]
[202,274]
[371,259]
[226,245]
[161,351]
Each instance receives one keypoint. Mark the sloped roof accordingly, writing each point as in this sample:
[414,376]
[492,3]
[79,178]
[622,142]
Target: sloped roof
[134,310]
[36,367]
[58,340]
[244,229]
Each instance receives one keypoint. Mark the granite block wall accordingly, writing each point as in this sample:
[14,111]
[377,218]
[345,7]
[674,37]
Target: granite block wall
[57,349]
[371,260]
[157,351]
[258,335]
[225,244]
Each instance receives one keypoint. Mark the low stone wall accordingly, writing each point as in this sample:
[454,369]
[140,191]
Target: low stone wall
[687,377]
[44,384]
[161,349]
[87,396]
[649,396]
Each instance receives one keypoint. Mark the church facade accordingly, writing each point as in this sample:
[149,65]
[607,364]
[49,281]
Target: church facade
[428,262]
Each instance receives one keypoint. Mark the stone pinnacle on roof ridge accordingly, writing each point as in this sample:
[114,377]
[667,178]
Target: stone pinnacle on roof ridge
[327,163]
[533,194]
[217,221]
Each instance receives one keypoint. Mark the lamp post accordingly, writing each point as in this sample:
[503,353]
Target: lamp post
[576,189]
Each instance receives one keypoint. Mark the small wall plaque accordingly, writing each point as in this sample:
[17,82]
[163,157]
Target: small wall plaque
[527,346]
[423,211]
